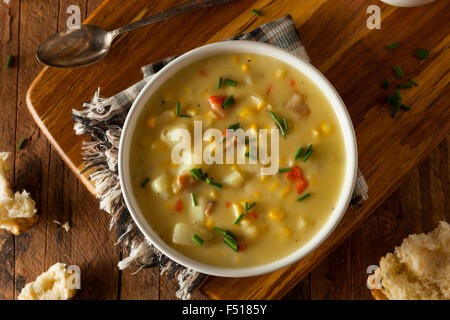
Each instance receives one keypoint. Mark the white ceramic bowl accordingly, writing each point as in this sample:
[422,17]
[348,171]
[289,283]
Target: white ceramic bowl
[407,3]
[238,47]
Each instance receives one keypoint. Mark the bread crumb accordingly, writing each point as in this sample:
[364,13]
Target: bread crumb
[65,226]
[17,211]
[54,284]
[419,269]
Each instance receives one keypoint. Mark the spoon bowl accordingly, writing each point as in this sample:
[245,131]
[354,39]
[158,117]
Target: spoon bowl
[75,47]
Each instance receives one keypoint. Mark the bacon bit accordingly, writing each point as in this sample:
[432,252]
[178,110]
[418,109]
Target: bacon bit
[203,73]
[184,181]
[242,246]
[296,176]
[210,207]
[179,206]
[228,204]
[293,83]
[252,214]
[269,90]
[216,103]
[297,104]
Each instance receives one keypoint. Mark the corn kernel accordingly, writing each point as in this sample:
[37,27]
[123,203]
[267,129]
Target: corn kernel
[276,215]
[213,194]
[280,73]
[285,233]
[209,223]
[235,59]
[245,67]
[245,113]
[234,167]
[237,209]
[192,111]
[285,192]
[326,128]
[151,121]
[259,106]
[274,186]
[315,133]
[257,195]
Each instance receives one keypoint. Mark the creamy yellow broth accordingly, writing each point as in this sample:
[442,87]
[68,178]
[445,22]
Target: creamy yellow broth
[278,224]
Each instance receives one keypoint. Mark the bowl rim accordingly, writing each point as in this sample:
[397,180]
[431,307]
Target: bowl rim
[252,47]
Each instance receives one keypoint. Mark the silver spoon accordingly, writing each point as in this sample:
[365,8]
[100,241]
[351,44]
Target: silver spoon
[88,44]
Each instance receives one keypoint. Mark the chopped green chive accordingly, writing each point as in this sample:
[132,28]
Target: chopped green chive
[285,124]
[194,199]
[220,83]
[256,13]
[238,219]
[277,121]
[308,153]
[395,111]
[228,102]
[299,153]
[405,108]
[284,170]
[413,82]
[405,85]
[9,61]
[386,84]
[232,243]
[197,239]
[178,112]
[213,183]
[422,53]
[218,230]
[234,126]
[247,208]
[393,45]
[144,183]
[21,144]
[395,99]
[399,71]
[229,82]
[197,174]
[303,197]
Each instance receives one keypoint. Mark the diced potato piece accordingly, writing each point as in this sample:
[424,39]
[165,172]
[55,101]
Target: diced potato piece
[276,215]
[234,179]
[248,229]
[197,214]
[183,232]
[161,185]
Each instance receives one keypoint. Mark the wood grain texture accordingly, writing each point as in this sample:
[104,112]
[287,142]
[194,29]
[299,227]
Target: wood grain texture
[416,206]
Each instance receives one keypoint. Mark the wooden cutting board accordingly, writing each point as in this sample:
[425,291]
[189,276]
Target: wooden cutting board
[352,57]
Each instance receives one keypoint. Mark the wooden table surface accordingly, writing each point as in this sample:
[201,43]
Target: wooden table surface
[419,203]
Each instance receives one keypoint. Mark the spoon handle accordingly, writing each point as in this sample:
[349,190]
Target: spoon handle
[172,12]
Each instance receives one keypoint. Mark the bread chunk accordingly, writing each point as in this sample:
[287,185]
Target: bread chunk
[17,211]
[419,269]
[54,284]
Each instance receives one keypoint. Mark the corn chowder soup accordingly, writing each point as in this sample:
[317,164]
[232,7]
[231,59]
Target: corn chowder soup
[230,215]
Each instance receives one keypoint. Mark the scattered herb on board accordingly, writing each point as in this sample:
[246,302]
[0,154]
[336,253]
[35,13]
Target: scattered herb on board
[422,53]
[413,82]
[21,144]
[398,72]
[230,82]
[304,197]
[256,13]
[392,45]
[228,102]
[10,60]
[144,183]
[277,121]
[386,84]
[197,239]
[406,85]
